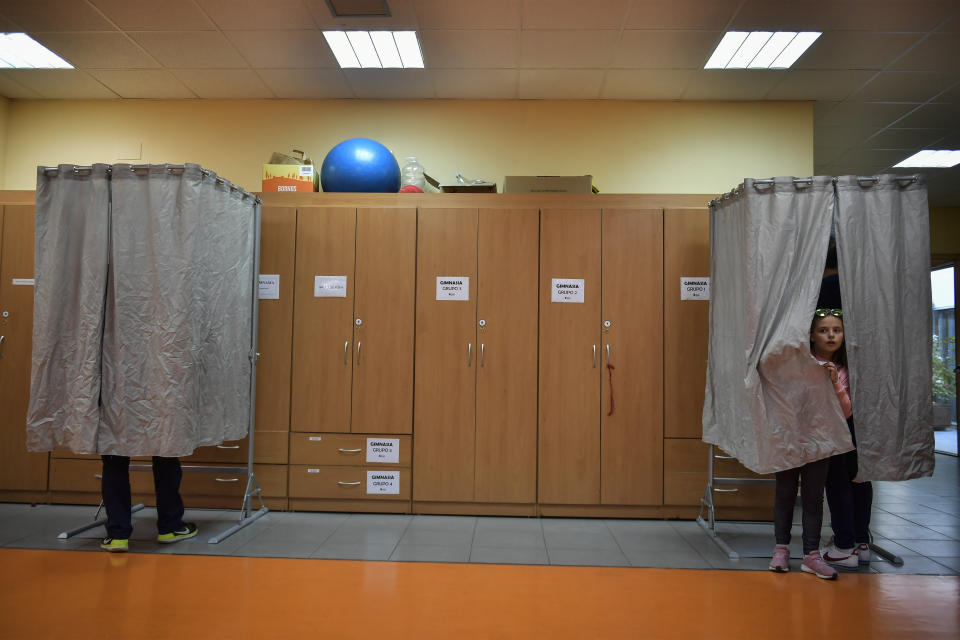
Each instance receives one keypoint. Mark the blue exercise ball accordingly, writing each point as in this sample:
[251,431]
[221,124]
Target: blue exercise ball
[360,165]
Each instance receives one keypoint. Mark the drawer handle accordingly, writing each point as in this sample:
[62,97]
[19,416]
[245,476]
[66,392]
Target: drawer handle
[348,484]
[469,354]
[718,490]
[594,356]
[349,450]
[482,357]
[228,479]
[346,346]
[228,446]
[98,476]
[723,457]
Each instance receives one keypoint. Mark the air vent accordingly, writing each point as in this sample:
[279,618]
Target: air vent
[358,8]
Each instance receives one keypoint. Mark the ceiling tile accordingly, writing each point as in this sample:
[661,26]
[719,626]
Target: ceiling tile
[403,16]
[157,84]
[465,14]
[829,15]
[645,84]
[731,85]
[839,138]
[488,49]
[224,83]
[855,50]
[574,14]
[287,49]
[937,52]
[567,49]
[62,84]
[90,50]
[559,84]
[258,14]
[863,114]
[304,84]
[150,15]
[390,83]
[475,84]
[10,88]
[665,49]
[818,85]
[54,15]
[670,14]
[905,138]
[905,86]
[933,116]
[190,49]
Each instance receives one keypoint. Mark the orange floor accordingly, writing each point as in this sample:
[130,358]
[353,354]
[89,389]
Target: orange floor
[70,594]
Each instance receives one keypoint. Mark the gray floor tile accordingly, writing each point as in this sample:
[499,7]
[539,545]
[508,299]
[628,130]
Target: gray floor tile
[443,523]
[668,541]
[268,547]
[893,547]
[376,520]
[667,559]
[933,518]
[914,531]
[946,548]
[602,540]
[572,525]
[434,537]
[510,539]
[509,555]
[952,563]
[377,537]
[914,565]
[356,551]
[952,532]
[430,553]
[588,557]
[508,525]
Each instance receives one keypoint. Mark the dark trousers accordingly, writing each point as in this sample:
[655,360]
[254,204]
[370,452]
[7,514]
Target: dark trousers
[850,502]
[810,478]
[116,495]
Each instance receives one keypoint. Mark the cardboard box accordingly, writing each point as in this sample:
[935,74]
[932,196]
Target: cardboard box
[548,184]
[460,187]
[290,177]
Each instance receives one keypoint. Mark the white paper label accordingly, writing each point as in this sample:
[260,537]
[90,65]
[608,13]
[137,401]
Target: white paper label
[695,288]
[383,450]
[23,282]
[567,290]
[387,482]
[329,286]
[453,288]
[306,171]
[268,286]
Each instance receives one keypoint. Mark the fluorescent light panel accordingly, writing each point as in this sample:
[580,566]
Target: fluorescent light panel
[938,158]
[20,51]
[375,49]
[760,49]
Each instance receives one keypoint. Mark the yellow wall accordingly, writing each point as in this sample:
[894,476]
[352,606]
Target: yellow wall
[4,110]
[945,230]
[629,147]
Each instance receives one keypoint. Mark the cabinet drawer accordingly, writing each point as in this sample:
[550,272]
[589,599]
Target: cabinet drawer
[349,483]
[271,448]
[685,477]
[342,449]
[68,474]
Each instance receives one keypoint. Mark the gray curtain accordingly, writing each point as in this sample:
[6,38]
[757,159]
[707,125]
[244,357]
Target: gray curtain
[174,324]
[883,249]
[767,401]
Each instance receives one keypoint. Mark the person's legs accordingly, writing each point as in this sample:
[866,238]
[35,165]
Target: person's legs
[115,488]
[862,493]
[166,483]
[784,500]
[812,478]
[840,500]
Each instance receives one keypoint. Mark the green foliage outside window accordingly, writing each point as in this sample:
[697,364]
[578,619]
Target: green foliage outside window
[944,377]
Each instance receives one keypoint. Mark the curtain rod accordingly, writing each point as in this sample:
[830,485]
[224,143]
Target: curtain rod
[905,180]
[171,168]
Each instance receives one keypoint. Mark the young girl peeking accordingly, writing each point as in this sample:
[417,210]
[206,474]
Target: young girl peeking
[826,342]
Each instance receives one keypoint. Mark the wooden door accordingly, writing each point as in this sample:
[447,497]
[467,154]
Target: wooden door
[384,306]
[322,325]
[447,358]
[19,470]
[569,391]
[507,302]
[632,387]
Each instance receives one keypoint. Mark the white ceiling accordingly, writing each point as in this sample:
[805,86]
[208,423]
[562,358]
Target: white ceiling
[884,76]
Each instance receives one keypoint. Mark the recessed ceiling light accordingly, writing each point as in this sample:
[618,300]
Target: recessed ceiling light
[760,49]
[375,49]
[939,158]
[20,51]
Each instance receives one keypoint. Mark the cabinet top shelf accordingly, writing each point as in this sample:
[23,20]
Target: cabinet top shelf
[489,200]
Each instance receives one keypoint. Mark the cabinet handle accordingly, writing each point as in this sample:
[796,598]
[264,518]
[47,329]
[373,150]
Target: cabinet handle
[228,446]
[718,490]
[348,484]
[1,344]
[608,354]
[719,457]
[98,476]
[469,354]
[227,479]
[359,344]
[349,450]
[346,347]
[594,356]
[482,358]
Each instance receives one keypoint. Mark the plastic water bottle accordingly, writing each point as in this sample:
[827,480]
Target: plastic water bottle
[412,173]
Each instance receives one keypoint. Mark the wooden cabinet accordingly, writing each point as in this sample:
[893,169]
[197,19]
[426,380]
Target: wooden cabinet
[23,475]
[353,342]
[476,350]
[600,357]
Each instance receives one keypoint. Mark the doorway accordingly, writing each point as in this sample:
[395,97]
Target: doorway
[943,286]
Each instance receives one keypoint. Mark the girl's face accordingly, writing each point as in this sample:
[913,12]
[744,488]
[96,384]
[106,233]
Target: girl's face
[827,336]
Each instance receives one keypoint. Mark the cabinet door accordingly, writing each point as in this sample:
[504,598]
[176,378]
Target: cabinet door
[506,457]
[447,358]
[569,423]
[322,326]
[385,302]
[19,470]
[632,389]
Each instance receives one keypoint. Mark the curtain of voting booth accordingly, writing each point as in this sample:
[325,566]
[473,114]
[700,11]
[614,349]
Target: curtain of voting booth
[143,311]
[768,402]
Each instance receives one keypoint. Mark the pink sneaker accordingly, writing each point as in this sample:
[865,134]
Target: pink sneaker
[781,559]
[813,563]
[863,553]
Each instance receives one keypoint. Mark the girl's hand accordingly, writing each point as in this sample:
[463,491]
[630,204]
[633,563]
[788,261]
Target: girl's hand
[832,368]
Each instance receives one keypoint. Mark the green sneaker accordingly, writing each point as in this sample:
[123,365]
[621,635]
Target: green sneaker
[188,530]
[114,545]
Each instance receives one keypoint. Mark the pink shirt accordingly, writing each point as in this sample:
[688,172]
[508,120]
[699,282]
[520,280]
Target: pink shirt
[841,387]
